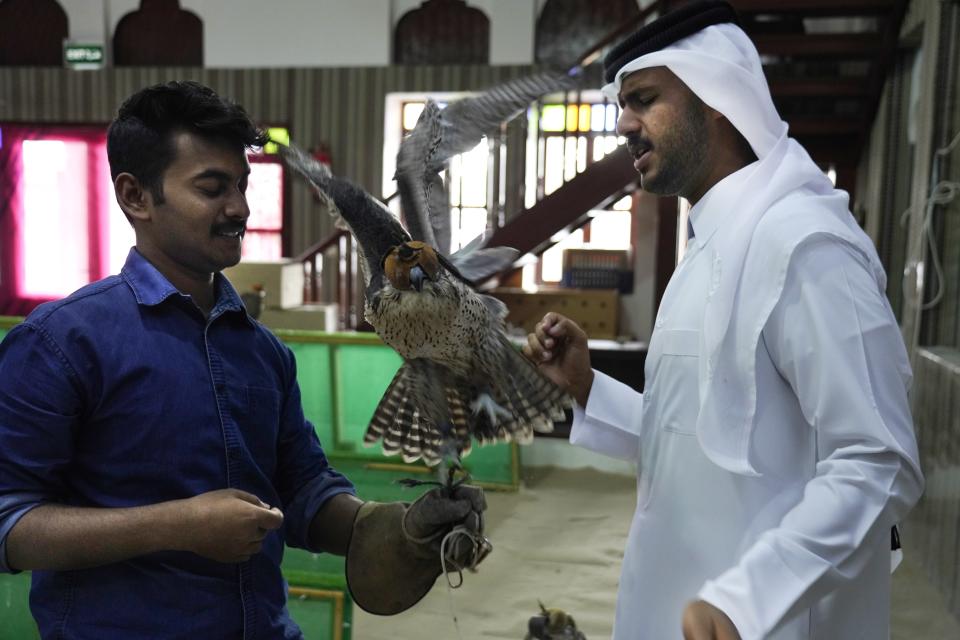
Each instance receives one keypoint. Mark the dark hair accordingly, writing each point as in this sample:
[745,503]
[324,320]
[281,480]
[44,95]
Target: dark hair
[140,139]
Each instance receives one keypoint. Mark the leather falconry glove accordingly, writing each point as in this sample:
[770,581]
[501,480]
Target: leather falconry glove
[394,556]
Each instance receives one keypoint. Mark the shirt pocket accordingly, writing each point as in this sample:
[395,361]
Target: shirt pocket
[260,423]
[679,384]
[680,342]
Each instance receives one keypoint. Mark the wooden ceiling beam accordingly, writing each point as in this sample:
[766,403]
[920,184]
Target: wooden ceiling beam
[824,126]
[814,87]
[846,45]
[813,8]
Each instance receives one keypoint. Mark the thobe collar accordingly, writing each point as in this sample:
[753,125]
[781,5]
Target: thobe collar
[718,204]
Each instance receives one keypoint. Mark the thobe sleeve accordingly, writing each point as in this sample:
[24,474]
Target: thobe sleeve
[610,423]
[834,338]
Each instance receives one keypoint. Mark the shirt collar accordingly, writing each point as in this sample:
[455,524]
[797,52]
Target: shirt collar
[718,203]
[150,287]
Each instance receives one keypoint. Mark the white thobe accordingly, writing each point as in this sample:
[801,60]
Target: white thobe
[801,551]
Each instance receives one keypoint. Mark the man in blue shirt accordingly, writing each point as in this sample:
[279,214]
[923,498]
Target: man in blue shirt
[154,455]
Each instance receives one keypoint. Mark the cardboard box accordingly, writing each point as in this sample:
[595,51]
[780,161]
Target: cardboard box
[597,269]
[597,311]
[311,317]
[282,281]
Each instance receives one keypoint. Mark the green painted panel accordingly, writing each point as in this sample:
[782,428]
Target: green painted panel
[303,568]
[363,374]
[17,624]
[314,616]
[492,463]
[313,374]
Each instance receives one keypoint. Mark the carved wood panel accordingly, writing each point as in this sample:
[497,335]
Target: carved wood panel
[32,33]
[160,33]
[442,32]
[566,29]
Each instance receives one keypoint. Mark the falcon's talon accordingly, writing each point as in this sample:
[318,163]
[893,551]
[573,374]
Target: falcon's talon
[488,405]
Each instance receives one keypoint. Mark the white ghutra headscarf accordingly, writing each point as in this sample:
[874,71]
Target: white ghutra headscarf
[721,66]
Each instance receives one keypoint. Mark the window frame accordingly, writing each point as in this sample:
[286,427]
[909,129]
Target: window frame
[13,298]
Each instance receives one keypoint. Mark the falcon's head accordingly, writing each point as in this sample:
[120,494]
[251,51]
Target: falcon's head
[408,265]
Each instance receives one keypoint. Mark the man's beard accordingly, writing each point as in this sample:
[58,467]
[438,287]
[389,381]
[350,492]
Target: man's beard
[680,154]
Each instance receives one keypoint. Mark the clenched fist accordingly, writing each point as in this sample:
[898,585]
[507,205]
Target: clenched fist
[558,346]
[228,525]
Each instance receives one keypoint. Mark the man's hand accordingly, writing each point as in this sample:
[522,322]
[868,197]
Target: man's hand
[703,621]
[228,525]
[435,513]
[394,554]
[559,348]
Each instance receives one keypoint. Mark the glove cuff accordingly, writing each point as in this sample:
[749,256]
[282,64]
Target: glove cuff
[386,571]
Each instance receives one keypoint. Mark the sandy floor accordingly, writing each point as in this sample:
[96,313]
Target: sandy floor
[532,530]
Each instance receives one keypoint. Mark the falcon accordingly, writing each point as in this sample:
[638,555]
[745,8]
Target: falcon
[461,377]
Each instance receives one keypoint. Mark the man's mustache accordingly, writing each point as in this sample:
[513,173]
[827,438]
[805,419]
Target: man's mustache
[637,145]
[230,227]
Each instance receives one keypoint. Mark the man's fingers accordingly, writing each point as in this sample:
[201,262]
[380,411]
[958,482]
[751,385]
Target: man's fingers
[247,497]
[270,518]
[442,511]
[696,629]
[534,349]
[703,621]
[475,495]
[565,328]
[541,331]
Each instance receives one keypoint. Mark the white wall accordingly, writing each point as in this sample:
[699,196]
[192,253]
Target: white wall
[308,33]
[294,33]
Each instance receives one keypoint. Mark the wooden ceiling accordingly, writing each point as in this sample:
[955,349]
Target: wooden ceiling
[826,61]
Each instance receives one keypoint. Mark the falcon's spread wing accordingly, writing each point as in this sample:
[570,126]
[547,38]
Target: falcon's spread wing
[441,134]
[371,223]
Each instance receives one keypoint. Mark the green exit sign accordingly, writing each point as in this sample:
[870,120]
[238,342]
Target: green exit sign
[83,56]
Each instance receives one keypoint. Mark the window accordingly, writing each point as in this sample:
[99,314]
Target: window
[264,238]
[466,176]
[66,198]
[61,227]
[564,138]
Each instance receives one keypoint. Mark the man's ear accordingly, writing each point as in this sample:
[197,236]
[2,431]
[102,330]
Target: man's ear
[135,201]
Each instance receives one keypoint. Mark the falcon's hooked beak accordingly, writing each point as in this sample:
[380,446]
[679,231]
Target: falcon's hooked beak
[408,265]
[417,276]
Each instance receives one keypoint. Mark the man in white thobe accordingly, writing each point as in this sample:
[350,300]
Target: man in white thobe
[773,439]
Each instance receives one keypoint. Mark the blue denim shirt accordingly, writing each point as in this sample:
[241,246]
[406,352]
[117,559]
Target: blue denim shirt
[122,395]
